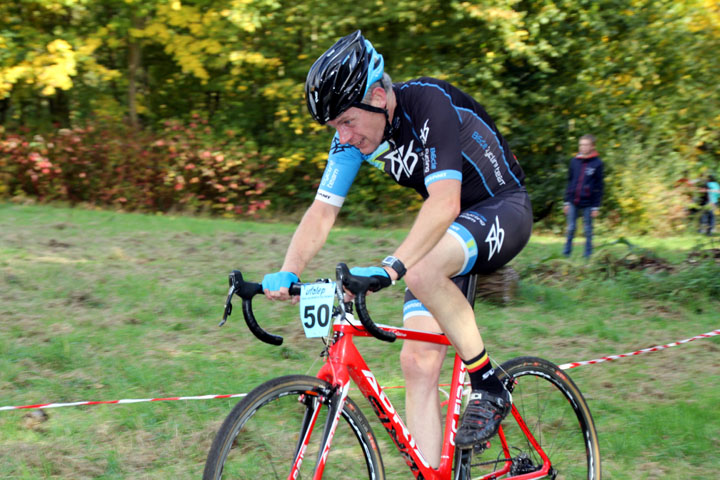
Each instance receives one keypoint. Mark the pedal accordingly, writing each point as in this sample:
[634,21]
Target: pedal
[479,448]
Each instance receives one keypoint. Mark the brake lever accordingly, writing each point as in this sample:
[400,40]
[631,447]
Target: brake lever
[340,292]
[228,302]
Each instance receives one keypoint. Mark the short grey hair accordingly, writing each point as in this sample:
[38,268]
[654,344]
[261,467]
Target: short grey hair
[590,137]
[385,83]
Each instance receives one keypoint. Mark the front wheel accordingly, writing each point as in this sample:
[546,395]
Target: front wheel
[261,435]
[556,415]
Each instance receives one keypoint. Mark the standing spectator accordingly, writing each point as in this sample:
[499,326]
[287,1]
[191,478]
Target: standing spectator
[687,189]
[584,192]
[707,220]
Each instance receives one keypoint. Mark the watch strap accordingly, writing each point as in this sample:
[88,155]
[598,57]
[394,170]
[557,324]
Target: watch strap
[395,264]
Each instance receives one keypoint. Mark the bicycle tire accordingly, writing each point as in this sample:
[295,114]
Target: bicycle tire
[556,414]
[259,437]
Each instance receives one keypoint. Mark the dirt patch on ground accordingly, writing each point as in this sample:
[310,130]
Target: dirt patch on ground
[645,262]
[703,255]
[55,460]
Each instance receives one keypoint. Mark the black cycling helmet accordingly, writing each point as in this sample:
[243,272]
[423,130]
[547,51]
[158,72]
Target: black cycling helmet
[340,78]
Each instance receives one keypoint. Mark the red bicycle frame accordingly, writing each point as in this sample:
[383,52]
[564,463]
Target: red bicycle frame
[344,363]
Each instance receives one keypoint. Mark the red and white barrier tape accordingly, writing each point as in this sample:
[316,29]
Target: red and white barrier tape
[127,400]
[564,366]
[567,366]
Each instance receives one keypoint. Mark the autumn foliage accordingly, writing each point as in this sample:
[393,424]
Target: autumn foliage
[179,168]
[641,75]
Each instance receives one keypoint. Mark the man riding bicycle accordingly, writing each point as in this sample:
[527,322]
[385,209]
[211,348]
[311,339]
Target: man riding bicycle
[476,216]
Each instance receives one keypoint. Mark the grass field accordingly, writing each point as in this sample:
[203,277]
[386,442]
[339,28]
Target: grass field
[98,305]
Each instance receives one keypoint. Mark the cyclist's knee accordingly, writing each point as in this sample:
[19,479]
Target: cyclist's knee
[421,364]
[417,280]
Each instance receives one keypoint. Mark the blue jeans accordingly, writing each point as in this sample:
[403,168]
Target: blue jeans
[572,216]
[707,220]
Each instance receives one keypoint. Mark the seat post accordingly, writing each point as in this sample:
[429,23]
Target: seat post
[470,289]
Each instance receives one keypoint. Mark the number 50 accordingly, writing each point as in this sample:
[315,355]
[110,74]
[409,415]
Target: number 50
[321,316]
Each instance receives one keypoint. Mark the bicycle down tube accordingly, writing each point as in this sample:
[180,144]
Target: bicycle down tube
[345,362]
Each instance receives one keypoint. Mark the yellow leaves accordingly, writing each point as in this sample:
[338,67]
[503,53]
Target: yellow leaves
[707,18]
[211,47]
[504,19]
[189,52]
[242,16]
[253,58]
[154,30]
[7,80]
[89,46]
[50,70]
[189,62]
[292,161]
[495,14]
[186,33]
[319,158]
[10,76]
[282,114]
[516,41]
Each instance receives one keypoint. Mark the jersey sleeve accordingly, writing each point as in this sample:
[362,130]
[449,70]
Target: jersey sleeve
[437,123]
[342,166]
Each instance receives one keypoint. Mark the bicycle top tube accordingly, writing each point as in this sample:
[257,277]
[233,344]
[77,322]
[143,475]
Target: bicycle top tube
[349,326]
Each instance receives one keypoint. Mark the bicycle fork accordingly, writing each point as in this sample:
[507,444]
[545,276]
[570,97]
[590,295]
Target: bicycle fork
[335,399]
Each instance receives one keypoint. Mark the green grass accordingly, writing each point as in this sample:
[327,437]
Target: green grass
[98,305]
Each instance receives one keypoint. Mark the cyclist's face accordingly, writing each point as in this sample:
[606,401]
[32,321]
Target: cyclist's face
[360,128]
[585,146]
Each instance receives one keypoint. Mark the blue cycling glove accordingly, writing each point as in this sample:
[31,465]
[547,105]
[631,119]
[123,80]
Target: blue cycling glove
[276,281]
[380,277]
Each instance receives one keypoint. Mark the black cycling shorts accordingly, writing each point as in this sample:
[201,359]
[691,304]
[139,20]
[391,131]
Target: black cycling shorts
[492,233]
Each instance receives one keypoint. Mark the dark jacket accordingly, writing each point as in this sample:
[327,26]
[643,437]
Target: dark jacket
[585,182]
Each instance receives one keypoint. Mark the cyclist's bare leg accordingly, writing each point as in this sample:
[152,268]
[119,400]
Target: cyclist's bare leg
[421,363]
[429,280]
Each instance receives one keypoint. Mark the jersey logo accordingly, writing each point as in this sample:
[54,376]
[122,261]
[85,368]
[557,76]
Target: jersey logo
[402,161]
[337,147]
[495,238]
[425,132]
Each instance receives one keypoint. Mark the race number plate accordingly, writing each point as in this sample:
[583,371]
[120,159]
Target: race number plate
[316,305]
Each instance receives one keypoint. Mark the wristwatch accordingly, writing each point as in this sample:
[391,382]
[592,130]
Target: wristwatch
[395,264]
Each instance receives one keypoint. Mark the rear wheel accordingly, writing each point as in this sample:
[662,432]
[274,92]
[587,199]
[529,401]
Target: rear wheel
[260,437]
[556,415]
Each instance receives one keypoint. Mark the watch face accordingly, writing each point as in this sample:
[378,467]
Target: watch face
[395,264]
[388,261]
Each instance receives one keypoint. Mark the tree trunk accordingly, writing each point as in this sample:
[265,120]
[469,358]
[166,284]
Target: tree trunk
[134,66]
[499,287]
[4,108]
[59,106]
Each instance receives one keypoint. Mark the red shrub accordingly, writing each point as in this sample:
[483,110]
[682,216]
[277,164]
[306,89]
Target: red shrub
[182,167]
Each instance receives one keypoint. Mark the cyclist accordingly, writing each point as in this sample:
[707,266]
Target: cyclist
[475,217]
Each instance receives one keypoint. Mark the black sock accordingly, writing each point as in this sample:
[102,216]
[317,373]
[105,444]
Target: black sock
[482,375]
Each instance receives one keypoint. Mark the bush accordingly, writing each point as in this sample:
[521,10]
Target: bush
[183,167]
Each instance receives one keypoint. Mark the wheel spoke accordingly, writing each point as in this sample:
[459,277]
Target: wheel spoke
[264,433]
[558,418]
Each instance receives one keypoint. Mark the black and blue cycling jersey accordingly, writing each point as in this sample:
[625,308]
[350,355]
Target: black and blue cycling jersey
[439,133]
[442,133]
